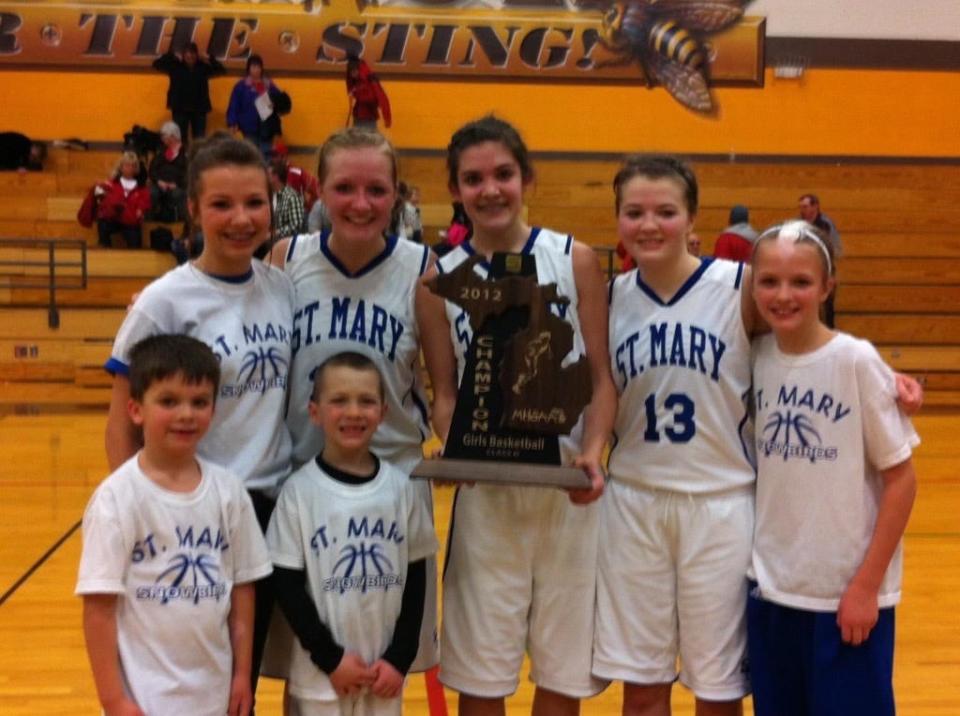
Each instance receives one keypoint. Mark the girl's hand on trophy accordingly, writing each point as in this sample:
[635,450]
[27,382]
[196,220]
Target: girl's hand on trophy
[435,454]
[593,470]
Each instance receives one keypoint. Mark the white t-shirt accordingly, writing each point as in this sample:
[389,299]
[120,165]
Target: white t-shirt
[172,558]
[373,312]
[827,424]
[355,542]
[682,370]
[247,323]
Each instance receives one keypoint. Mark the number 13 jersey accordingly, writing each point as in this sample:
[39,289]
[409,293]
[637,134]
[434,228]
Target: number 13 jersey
[682,370]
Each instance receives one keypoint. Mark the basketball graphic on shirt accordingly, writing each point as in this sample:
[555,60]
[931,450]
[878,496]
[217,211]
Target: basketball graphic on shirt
[257,360]
[793,426]
[202,571]
[357,563]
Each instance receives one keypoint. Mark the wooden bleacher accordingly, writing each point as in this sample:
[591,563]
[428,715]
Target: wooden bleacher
[899,277]
[63,365]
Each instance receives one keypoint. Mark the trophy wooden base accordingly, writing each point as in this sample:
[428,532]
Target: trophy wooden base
[502,473]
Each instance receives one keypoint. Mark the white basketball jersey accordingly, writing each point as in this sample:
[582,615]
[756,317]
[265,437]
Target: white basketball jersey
[371,311]
[553,253]
[682,370]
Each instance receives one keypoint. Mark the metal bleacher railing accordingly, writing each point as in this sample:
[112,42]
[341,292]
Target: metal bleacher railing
[50,264]
[61,264]
[605,254]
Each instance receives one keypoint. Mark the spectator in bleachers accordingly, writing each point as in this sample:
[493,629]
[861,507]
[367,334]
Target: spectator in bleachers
[693,244]
[736,241]
[412,218]
[188,96]
[318,219]
[459,230]
[810,212]
[252,105]
[19,152]
[288,215]
[298,179]
[368,101]
[123,203]
[168,177]
[405,222]
[809,206]
[304,183]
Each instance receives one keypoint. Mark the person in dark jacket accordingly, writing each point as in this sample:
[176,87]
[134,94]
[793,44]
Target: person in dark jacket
[18,151]
[168,177]
[188,96]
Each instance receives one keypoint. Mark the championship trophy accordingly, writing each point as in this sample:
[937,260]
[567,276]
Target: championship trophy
[514,399]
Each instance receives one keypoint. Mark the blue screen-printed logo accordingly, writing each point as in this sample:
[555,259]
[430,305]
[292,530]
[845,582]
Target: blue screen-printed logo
[360,567]
[262,364]
[261,370]
[792,435]
[187,578]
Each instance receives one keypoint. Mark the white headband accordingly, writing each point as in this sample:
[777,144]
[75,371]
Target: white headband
[798,230]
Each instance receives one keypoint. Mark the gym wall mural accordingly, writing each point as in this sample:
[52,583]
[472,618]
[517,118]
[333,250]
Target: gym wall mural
[683,47]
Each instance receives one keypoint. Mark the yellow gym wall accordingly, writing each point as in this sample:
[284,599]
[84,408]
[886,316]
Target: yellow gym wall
[848,112]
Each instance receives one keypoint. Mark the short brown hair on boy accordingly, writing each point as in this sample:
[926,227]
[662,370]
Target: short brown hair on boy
[347,359]
[165,355]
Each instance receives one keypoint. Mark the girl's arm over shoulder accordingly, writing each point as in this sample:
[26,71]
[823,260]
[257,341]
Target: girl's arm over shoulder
[122,438]
[909,393]
[858,611]
[753,322]
[100,634]
[438,352]
[600,413]
[278,254]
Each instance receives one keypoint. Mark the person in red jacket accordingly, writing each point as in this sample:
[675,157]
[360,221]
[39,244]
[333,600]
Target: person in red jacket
[368,101]
[123,202]
[736,241]
[298,178]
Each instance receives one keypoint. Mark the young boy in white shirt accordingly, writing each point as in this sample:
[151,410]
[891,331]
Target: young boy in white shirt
[171,548]
[349,540]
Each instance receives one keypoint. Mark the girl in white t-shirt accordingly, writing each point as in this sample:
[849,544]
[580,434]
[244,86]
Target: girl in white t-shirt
[835,487]
[240,308]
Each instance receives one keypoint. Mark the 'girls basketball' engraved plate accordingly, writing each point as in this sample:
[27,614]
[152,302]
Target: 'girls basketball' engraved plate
[515,397]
